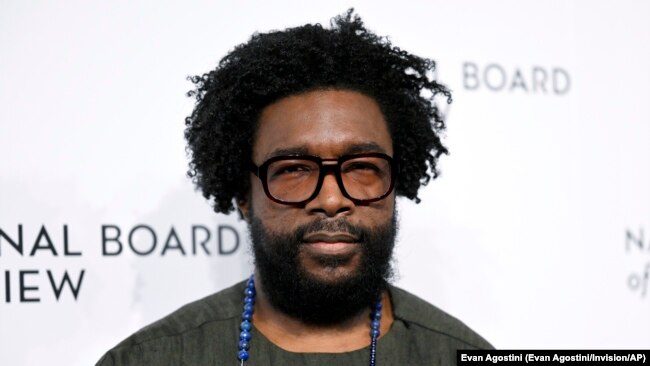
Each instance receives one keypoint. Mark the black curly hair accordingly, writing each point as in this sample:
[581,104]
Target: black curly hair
[270,66]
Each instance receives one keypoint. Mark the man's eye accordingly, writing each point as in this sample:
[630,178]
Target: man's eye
[291,169]
[361,166]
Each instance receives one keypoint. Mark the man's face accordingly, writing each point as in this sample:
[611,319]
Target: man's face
[331,238]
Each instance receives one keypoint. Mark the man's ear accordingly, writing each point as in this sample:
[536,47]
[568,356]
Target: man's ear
[243,208]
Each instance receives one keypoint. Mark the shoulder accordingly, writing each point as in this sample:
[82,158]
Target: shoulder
[415,311]
[194,317]
[223,305]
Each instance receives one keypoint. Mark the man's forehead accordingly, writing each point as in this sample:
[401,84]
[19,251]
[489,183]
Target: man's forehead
[324,123]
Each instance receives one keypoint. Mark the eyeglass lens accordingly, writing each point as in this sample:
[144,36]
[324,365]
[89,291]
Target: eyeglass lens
[295,180]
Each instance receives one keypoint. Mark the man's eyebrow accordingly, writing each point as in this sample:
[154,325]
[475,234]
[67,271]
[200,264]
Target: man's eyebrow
[291,151]
[365,147]
[359,148]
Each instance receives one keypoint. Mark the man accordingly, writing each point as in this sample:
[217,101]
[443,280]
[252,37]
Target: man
[311,133]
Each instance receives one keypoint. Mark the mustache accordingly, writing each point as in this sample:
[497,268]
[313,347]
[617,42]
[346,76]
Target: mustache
[335,226]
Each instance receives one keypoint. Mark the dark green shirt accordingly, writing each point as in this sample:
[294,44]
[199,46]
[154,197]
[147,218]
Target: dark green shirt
[206,332]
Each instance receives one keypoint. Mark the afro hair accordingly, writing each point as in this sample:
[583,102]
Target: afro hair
[274,65]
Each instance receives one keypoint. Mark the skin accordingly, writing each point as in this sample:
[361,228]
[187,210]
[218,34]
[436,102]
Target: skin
[325,123]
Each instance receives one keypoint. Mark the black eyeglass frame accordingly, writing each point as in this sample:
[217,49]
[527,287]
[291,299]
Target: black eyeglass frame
[262,173]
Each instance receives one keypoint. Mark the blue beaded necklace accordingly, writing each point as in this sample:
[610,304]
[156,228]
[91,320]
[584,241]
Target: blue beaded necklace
[247,318]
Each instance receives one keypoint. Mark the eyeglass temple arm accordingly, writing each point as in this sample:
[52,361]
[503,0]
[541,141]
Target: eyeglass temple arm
[254,169]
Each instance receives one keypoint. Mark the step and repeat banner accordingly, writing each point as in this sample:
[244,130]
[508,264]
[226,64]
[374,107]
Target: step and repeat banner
[537,233]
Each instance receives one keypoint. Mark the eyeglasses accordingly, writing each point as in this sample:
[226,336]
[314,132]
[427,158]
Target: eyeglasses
[295,180]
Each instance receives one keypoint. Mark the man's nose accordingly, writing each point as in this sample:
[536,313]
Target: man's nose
[330,200]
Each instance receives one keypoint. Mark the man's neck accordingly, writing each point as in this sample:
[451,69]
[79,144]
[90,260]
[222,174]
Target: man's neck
[294,335]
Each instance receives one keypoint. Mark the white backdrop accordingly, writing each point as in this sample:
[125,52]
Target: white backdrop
[537,234]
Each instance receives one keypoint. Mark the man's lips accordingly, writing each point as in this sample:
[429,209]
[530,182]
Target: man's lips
[330,243]
[325,237]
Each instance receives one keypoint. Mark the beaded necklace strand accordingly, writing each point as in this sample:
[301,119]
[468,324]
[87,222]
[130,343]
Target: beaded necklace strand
[247,318]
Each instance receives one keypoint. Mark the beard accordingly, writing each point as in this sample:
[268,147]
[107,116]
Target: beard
[291,289]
